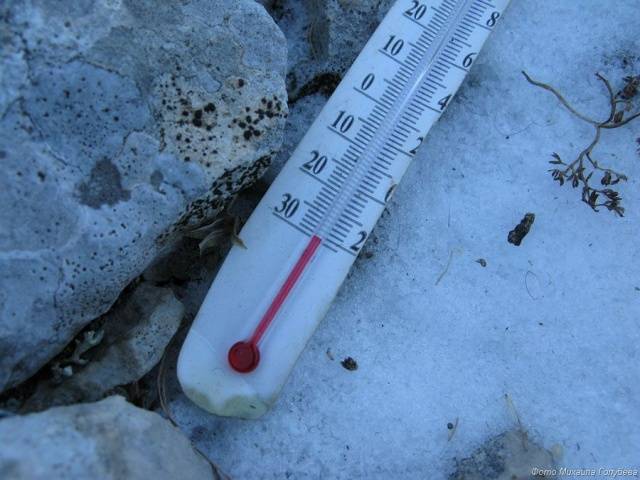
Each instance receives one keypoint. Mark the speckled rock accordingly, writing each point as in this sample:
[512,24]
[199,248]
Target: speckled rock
[110,439]
[120,123]
[134,336]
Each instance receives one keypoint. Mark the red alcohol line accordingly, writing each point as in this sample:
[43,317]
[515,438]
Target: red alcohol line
[286,288]
[245,356]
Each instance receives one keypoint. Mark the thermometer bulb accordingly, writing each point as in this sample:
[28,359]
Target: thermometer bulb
[244,356]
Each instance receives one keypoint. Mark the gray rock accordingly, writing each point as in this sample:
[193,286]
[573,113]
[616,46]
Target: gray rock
[121,123]
[325,36]
[504,457]
[136,332]
[110,439]
[342,27]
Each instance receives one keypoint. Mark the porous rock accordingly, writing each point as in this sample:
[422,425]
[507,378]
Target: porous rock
[110,439]
[134,336]
[342,27]
[121,123]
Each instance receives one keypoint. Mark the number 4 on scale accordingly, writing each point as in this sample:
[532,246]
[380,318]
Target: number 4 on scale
[444,101]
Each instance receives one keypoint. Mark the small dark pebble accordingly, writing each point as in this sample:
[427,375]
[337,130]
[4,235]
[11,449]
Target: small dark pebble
[450,426]
[349,363]
[522,229]
[482,262]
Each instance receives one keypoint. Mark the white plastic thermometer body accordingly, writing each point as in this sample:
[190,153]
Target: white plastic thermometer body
[303,237]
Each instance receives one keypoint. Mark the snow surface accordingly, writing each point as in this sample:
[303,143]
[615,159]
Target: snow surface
[554,323]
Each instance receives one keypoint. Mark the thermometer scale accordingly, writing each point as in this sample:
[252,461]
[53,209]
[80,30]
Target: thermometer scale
[305,234]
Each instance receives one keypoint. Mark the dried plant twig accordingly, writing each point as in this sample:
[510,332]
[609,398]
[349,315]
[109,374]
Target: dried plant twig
[559,97]
[446,268]
[161,382]
[212,234]
[578,173]
[524,435]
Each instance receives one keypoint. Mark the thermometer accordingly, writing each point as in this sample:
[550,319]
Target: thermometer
[306,232]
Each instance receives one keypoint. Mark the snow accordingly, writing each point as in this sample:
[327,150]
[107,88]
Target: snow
[553,323]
